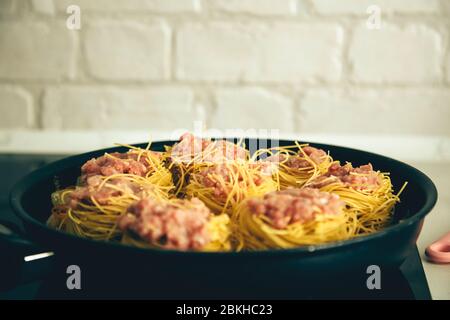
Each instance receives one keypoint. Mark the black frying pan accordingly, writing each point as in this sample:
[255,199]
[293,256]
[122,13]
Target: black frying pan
[164,273]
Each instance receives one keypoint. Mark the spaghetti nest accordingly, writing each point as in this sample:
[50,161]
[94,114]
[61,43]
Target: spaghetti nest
[291,218]
[92,210]
[153,163]
[175,224]
[297,164]
[106,187]
[192,154]
[223,186]
[368,194]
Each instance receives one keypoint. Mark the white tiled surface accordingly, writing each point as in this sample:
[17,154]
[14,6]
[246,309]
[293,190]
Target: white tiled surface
[436,225]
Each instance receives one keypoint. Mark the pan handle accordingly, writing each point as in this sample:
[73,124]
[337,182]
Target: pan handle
[22,261]
[439,251]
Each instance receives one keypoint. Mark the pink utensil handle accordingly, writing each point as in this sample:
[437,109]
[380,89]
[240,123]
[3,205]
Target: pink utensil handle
[439,251]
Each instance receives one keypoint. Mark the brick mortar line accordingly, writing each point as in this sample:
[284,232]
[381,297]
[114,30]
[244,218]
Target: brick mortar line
[242,15]
[235,17]
[149,83]
[210,10]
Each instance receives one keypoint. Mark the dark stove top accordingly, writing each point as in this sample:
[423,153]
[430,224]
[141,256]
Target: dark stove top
[408,282]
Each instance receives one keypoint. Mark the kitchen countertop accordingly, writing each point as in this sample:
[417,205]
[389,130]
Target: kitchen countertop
[436,225]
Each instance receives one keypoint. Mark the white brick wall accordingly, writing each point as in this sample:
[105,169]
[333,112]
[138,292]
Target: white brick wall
[16,108]
[396,55]
[302,66]
[257,7]
[46,7]
[385,111]
[257,53]
[158,6]
[259,106]
[7,7]
[448,67]
[358,7]
[36,51]
[127,51]
[115,108]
